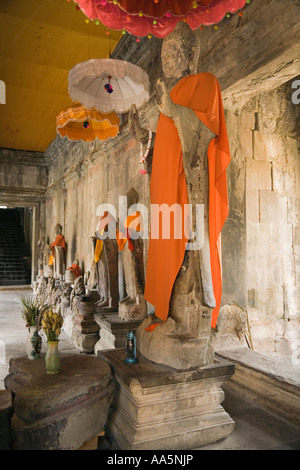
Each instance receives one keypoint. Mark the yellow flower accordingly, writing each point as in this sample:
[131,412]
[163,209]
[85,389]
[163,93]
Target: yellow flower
[57,331]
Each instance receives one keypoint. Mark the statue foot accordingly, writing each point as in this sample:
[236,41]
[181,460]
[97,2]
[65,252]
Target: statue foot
[128,301]
[125,300]
[154,319]
[102,303]
[129,309]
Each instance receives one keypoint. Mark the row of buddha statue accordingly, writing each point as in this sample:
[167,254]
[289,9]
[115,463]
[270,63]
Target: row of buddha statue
[104,274]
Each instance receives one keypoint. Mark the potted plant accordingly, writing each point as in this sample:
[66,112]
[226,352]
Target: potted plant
[31,313]
[52,323]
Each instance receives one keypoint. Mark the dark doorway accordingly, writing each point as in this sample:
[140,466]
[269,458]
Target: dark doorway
[15,246]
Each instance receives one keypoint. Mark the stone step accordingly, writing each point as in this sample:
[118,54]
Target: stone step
[272,382]
[14,282]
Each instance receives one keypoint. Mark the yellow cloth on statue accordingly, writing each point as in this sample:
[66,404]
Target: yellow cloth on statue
[98,250]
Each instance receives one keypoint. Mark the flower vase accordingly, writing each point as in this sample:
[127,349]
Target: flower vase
[52,358]
[33,343]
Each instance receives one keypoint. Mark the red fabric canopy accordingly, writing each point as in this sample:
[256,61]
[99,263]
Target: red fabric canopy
[161,7]
[139,24]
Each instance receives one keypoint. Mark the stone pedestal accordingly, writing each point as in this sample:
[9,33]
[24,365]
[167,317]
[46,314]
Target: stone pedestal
[85,343]
[86,330]
[62,411]
[113,331]
[48,271]
[157,407]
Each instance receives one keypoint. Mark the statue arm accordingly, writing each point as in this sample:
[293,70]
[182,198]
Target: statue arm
[140,133]
[185,120]
[188,127]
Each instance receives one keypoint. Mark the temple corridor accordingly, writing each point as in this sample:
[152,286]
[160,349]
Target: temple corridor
[149,225]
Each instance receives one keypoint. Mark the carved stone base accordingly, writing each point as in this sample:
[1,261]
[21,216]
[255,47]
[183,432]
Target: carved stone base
[86,331]
[170,344]
[113,331]
[157,407]
[84,325]
[48,271]
[130,310]
[85,343]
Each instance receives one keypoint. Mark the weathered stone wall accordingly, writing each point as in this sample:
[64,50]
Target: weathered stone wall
[272,170]
[100,174]
[260,245]
[22,173]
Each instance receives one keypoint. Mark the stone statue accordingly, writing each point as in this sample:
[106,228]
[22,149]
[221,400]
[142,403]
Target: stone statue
[48,261]
[133,306]
[58,248]
[75,268]
[77,290]
[141,134]
[184,339]
[92,276]
[106,270]
[41,247]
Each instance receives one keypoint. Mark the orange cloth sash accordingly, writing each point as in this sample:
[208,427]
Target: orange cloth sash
[98,250]
[132,222]
[59,241]
[76,270]
[202,94]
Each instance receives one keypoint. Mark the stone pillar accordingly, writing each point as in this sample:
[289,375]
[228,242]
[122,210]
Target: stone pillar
[157,407]
[86,331]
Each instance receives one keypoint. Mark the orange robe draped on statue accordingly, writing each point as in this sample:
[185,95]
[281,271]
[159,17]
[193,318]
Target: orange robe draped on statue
[76,270]
[59,241]
[132,222]
[202,94]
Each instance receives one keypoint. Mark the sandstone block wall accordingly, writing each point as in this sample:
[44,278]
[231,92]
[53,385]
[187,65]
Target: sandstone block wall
[264,198]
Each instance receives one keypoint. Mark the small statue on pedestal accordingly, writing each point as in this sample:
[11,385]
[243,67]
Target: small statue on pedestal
[58,248]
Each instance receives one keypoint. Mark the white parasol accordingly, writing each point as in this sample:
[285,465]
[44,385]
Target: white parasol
[108,85]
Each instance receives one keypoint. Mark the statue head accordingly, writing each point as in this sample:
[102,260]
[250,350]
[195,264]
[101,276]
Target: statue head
[58,229]
[178,51]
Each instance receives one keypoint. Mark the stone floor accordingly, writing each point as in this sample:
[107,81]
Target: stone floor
[255,429]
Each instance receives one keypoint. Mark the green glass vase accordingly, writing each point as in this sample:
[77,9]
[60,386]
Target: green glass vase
[52,358]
